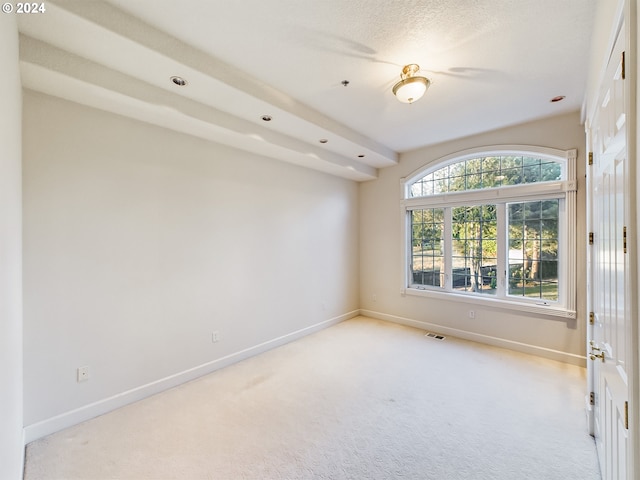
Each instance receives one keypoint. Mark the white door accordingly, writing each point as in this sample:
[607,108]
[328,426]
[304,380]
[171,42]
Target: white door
[608,350]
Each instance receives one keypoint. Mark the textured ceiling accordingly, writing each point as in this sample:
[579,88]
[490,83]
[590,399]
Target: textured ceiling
[492,63]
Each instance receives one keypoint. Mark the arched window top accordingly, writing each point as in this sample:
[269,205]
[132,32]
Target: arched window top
[489,168]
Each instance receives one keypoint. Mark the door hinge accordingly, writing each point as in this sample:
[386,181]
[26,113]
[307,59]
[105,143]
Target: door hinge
[590,158]
[592,398]
[626,415]
[623,66]
[624,239]
[592,318]
[590,238]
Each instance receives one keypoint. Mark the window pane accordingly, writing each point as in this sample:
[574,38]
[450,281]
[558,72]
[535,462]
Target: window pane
[457,184]
[473,166]
[487,172]
[531,174]
[550,171]
[474,248]
[508,162]
[457,169]
[473,181]
[511,176]
[422,187]
[491,179]
[533,249]
[441,180]
[427,255]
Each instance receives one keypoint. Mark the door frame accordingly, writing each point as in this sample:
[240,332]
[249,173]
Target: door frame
[626,12]
[633,343]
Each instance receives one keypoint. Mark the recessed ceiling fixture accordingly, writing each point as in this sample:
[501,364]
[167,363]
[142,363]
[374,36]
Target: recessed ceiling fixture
[266,118]
[181,82]
[323,140]
[559,98]
[411,87]
[361,156]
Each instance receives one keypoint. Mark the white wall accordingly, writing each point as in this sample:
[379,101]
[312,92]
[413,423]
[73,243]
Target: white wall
[140,242]
[11,442]
[380,253]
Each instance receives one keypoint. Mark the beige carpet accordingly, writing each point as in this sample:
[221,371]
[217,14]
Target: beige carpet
[361,400]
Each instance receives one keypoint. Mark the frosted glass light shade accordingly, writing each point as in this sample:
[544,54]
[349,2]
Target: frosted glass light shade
[411,89]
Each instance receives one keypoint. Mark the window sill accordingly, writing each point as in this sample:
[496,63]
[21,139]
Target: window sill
[547,310]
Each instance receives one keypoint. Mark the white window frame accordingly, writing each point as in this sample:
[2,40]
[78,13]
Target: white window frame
[565,190]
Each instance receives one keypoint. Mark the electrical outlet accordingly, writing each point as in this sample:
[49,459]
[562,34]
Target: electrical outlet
[83,374]
[215,337]
[472,314]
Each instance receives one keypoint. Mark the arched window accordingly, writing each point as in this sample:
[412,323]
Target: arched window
[494,224]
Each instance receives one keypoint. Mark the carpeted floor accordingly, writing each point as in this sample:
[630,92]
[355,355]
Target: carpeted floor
[364,399]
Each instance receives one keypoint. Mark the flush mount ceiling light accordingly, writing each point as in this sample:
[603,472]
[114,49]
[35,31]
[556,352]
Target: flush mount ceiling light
[411,87]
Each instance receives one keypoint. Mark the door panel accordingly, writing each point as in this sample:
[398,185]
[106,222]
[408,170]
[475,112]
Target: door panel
[608,191]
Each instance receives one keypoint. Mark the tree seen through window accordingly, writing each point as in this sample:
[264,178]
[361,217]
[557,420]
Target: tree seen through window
[486,172]
[470,257]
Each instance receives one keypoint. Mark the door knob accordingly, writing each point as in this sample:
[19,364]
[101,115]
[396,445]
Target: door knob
[600,355]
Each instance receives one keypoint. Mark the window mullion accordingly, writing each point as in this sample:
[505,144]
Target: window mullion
[503,250]
[407,253]
[448,261]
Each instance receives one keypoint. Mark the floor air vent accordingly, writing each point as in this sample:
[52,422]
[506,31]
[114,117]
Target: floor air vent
[435,335]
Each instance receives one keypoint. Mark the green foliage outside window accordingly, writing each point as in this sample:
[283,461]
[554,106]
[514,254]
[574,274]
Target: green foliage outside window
[531,229]
[486,172]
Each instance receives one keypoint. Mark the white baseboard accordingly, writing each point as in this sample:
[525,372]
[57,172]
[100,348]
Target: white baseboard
[551,354]
[87,412]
